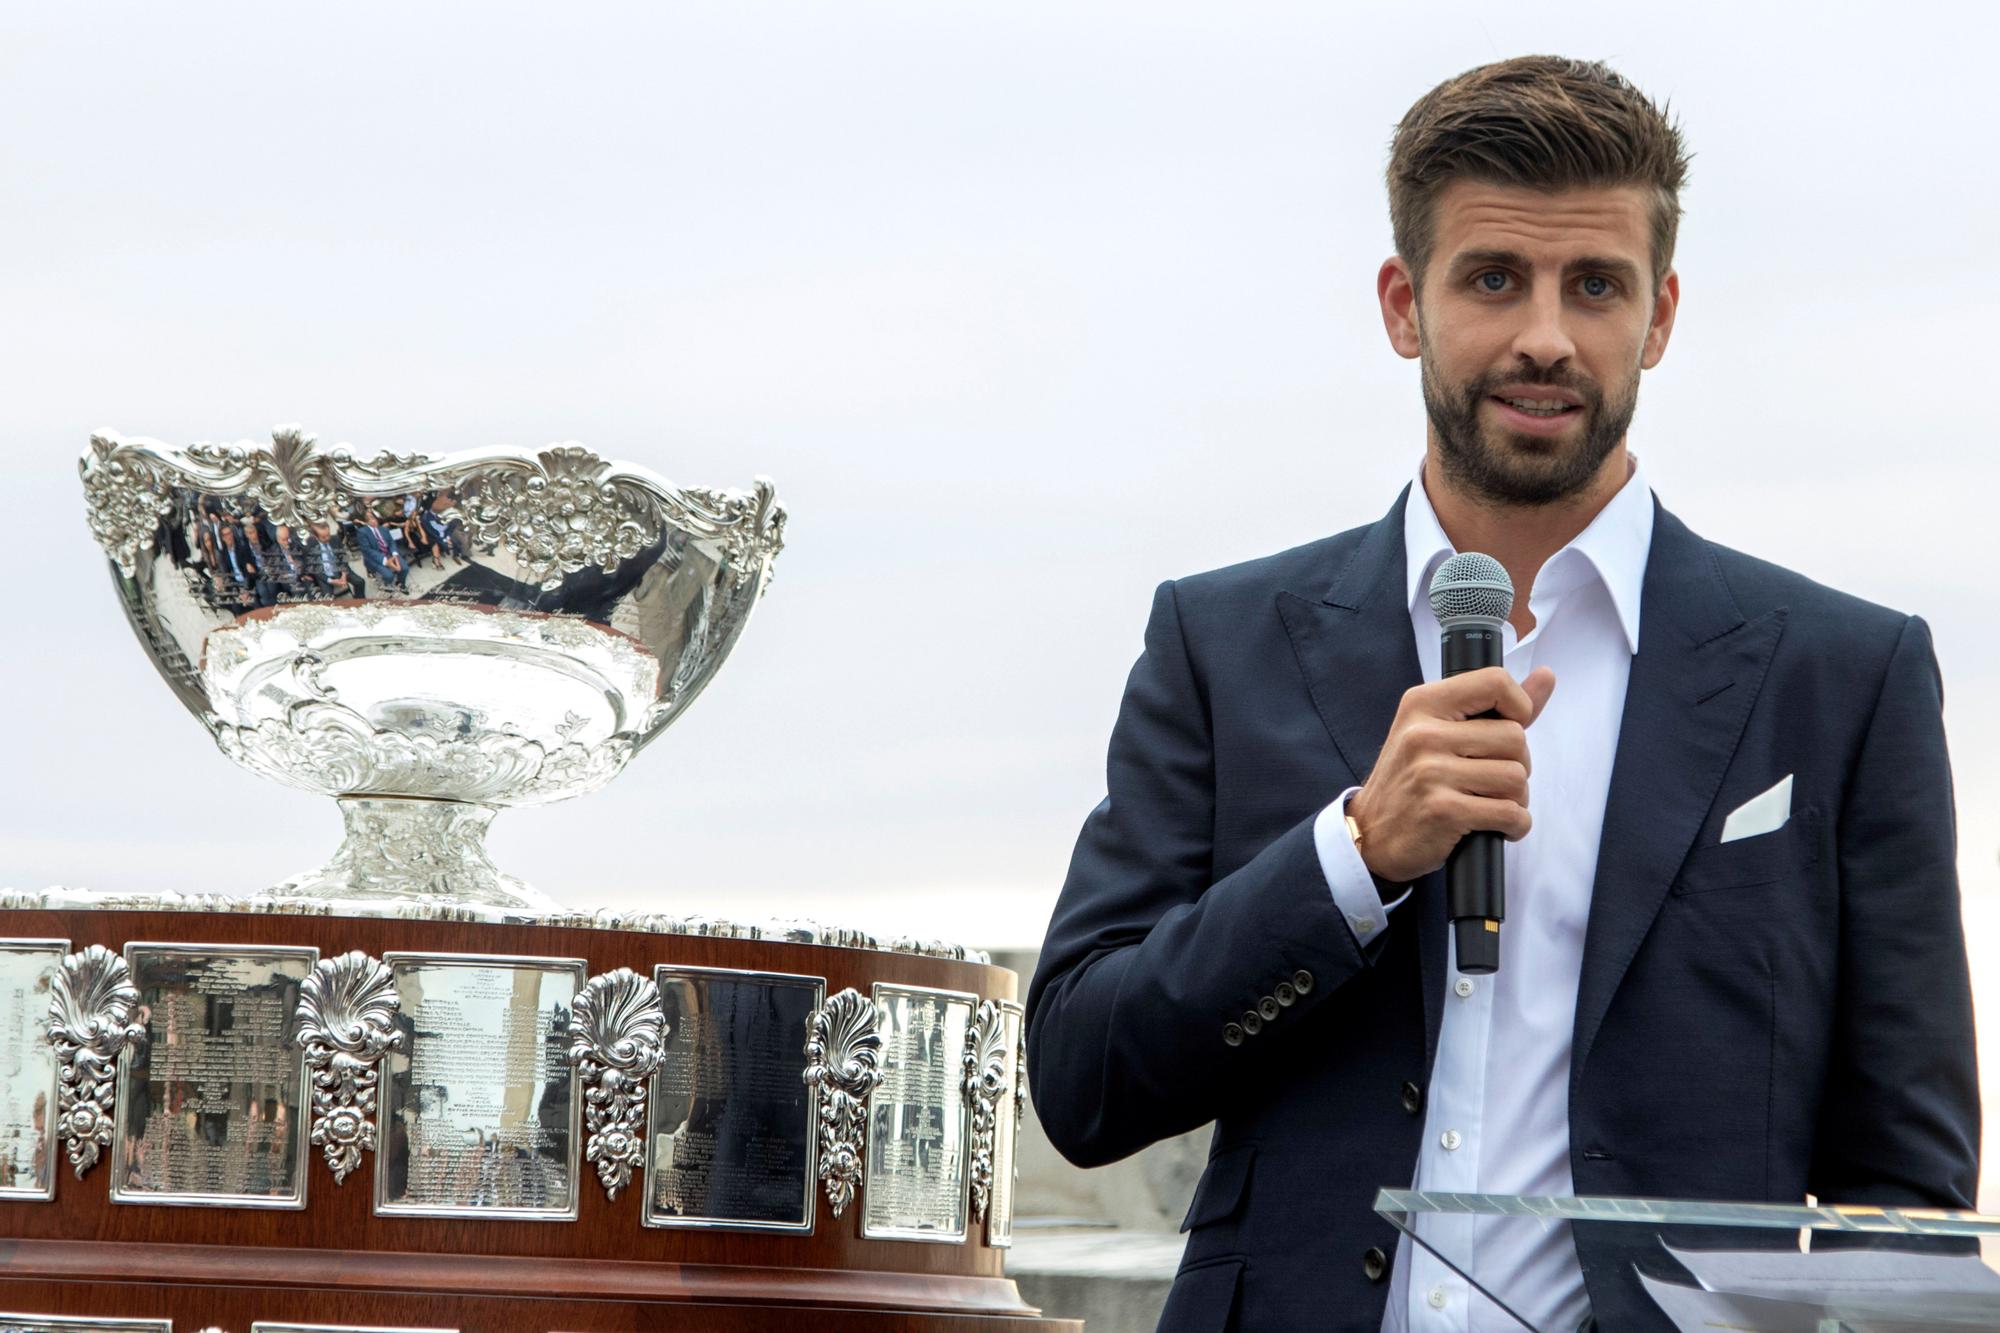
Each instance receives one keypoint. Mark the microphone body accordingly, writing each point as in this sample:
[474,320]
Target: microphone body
[1475,871]
[1472,598]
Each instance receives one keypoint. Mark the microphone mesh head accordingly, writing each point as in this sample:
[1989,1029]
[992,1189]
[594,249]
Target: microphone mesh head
[1471,586]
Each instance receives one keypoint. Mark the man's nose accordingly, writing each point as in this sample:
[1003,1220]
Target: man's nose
[1544,338]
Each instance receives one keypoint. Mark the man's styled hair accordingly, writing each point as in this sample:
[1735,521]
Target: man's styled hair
[1544,122]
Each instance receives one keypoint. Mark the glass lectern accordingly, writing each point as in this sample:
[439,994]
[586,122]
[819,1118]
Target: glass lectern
[1747,1267]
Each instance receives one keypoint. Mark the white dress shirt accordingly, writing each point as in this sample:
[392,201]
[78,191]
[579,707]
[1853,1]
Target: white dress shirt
[1496,1112]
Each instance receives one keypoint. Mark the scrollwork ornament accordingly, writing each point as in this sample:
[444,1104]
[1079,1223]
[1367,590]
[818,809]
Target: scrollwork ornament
[984,1083]
[347,1021]
[619,1033]
[93,1016]
[843,1066]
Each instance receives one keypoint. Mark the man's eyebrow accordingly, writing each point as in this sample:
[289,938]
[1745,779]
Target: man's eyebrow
[1624,270]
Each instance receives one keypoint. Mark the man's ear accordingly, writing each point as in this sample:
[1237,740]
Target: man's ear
[1666,301]
[1396,289]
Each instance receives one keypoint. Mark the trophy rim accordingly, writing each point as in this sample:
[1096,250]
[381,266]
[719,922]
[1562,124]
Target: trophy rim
[122,472]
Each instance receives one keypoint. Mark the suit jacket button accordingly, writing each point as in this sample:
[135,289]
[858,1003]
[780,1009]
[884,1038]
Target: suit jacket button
[1375,1263]
[1302,982]
[1413,1098]
[1232,1034]
[1253,1023]
[1268,1007]
[1285,994]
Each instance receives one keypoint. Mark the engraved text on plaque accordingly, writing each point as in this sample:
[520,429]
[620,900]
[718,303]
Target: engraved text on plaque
[731,1138]
[27,1069]
[211,1102]
[480,1106]
[918,1180]
[1006,1122]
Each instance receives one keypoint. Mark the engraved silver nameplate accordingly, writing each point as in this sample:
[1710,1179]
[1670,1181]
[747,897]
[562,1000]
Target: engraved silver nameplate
[28,971]
[730,1144]
[1007,1113]
[211,1096]
[918,1128]
[481,1110]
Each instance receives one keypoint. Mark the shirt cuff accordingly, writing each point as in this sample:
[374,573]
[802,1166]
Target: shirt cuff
[1347,875]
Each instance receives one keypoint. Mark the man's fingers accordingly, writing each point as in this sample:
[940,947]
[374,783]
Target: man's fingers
[1489,689]
[1502,779]
[1487,738]
[1540,684]
[1489,813]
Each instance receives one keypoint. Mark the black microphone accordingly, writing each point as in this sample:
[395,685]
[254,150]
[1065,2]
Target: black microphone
[1472,598]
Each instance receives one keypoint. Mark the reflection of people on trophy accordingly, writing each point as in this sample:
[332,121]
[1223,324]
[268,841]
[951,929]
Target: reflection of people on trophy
[378,551]
[284,566]
[328,568]
[235,571]
[446,529]
[416,539]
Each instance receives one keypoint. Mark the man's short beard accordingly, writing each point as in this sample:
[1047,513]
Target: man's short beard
[1523,469]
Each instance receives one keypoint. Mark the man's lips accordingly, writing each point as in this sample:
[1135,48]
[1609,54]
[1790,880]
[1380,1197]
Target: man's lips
[1532,422]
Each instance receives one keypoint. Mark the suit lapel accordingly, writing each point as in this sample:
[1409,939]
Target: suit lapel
[1694,679]
[1357,653]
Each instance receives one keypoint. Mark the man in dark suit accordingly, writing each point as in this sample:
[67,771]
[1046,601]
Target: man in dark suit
[285,566]
[378,552]
[1732,961]
[327,568]
[237,575]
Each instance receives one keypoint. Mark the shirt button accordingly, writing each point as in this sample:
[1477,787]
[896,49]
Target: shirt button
[1437,1298]
[1363,925]
[1463,986]
[1450,1140]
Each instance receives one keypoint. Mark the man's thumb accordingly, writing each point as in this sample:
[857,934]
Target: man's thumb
[1539,685]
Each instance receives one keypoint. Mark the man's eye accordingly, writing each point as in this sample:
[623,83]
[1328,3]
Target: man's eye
[1596,285]
[1492,281]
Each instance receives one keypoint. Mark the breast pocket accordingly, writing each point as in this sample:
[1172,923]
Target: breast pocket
[1766,858]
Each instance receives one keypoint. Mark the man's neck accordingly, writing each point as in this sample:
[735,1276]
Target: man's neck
[1520,537]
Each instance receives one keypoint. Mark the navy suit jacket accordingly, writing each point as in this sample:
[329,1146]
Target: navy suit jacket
[1758,1019]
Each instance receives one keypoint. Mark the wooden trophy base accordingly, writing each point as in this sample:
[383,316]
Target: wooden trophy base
[339,1262]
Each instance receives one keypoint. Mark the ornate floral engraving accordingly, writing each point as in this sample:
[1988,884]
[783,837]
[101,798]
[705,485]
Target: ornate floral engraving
[92,1017]
[347,1015]
[563,512]
[843,1066]
[985,1082]
[619,1033]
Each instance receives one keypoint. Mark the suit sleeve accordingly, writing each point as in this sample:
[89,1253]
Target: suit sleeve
[1149,957]
[1899,1120]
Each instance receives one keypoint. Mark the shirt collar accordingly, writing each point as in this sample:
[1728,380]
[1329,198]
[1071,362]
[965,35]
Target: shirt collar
[1613,549]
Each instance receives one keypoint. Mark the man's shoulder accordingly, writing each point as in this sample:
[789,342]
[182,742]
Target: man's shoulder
[1307,570]
[1814,612]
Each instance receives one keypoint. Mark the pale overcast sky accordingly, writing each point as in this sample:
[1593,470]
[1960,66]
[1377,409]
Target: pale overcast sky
[1025,308]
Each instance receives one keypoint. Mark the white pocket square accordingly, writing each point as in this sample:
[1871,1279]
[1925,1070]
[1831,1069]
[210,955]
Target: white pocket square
[1762,813]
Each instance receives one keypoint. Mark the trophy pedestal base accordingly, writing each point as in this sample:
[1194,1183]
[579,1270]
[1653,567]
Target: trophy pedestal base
[176,1222]
[229,1288]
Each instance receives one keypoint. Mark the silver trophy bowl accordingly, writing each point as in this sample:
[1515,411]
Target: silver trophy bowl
[426,639]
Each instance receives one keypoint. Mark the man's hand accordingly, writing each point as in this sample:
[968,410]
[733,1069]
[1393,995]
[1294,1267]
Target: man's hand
[1445,772]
